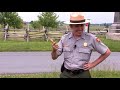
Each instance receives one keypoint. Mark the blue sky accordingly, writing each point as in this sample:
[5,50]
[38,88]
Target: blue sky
[96,17]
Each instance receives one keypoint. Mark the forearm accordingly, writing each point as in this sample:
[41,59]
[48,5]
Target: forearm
[102,58]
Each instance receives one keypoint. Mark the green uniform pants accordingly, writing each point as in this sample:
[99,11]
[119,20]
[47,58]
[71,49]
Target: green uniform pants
[65,74]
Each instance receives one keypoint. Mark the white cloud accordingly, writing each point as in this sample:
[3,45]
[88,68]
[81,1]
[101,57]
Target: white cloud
[28,16]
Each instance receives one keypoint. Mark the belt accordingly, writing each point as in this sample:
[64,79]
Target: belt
[75,71]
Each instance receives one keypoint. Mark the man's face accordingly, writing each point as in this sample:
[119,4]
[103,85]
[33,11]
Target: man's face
[77,29]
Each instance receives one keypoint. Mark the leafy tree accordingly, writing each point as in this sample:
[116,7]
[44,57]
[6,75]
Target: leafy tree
[36,24]
[48,19]
[11,18]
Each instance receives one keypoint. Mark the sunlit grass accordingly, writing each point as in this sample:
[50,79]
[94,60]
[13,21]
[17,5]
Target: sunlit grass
[24,46]
[94,74]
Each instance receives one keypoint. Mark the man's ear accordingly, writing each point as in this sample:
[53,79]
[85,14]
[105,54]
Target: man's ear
[70,25]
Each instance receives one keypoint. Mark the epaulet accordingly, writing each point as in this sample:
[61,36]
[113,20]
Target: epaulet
[64,36]
[94,37]
[90,34]
[67,34]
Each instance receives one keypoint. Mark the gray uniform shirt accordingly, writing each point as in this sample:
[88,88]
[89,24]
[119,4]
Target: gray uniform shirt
[78,52]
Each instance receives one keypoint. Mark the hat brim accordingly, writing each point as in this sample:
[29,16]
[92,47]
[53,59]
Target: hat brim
[68,22]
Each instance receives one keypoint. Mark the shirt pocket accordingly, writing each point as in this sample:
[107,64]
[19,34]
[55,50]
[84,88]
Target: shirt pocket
[67,52]
[84,54]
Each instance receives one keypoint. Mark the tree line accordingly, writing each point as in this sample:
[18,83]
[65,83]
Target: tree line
[46,19]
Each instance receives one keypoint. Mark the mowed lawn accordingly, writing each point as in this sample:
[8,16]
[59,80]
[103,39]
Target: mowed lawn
[37,45]
[40,45]
[94,74]
[24,46]
[114,45]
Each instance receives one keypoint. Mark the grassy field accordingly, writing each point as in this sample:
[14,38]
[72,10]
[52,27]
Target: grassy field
[24,46]
[1,35]
[95,28]
[37,45]
[114,45]
[105,74]
[94,74]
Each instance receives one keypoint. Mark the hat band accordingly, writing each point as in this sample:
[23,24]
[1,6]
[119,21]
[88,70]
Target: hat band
[79,21]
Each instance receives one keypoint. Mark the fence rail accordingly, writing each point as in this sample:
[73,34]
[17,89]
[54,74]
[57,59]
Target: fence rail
[28,35]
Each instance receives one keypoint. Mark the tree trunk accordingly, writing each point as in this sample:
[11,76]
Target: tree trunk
[14,29]
[4,26]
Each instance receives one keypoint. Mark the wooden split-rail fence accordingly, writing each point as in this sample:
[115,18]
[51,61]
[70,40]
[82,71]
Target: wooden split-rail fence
[29,35]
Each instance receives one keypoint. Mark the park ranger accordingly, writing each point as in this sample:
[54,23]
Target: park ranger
[77,47]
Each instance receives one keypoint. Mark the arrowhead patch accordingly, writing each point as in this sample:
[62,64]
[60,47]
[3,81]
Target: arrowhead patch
[97,39]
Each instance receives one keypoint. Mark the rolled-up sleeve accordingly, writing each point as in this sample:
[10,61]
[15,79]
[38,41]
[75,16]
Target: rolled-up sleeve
[98,45]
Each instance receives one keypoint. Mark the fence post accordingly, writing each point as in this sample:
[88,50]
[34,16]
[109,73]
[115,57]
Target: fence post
[46,37]
[27,35]
[5,35]
[88,27]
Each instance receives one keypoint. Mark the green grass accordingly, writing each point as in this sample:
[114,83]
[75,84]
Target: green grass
[114,45]
[105,74]
[95,28]
[94,74]
[36,75]
[39,45]
[24,46]
[1,35]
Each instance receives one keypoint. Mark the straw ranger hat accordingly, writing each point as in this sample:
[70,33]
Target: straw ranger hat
[77,18]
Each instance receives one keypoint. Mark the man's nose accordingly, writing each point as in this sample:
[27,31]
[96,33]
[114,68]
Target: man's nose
[80,29]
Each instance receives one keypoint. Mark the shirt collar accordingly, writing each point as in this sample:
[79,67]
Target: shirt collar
[82,36]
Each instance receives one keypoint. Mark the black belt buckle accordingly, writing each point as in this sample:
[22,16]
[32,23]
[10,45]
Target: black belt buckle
[77,71]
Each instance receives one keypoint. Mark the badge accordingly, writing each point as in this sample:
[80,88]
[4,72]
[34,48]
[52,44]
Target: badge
[85,44]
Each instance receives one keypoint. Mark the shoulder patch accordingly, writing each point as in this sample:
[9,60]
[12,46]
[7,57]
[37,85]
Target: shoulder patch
[97,39]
